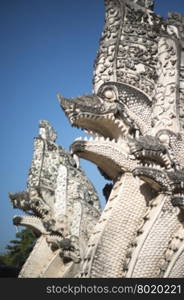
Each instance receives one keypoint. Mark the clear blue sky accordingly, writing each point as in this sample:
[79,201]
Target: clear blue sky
[47,46]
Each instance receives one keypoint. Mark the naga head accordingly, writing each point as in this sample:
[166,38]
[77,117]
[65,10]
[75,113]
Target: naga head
[113,115]
[114,112]
[161,164]
[177,187]
[96,113]
[153,160]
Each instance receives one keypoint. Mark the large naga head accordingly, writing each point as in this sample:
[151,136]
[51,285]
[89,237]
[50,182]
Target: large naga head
[114,112]
[113,116]
[136,108]
[124,74]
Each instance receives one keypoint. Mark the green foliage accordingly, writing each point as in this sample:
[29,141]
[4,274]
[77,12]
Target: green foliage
[4,259]
[19,249]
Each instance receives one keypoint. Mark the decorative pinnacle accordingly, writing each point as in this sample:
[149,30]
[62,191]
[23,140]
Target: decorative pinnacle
[146,3]
[46,131]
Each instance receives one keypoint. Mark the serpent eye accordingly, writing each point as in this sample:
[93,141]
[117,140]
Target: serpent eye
[164,139]
[110,95]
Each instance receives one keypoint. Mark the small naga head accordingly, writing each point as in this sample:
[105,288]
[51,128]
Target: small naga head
[115,111]
[159,164]
[153,161]
[177,187]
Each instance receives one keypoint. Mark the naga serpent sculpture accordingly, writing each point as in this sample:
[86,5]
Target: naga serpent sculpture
[136,115]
